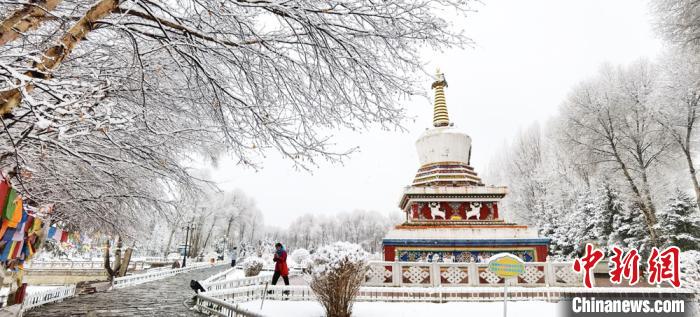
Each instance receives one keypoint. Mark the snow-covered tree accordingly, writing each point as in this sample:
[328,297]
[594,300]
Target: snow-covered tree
[610,118]
[610,206]
[690,270]
[631,231]
[301,256]
[363,227]
[678,21]
[679,223]
[104,102]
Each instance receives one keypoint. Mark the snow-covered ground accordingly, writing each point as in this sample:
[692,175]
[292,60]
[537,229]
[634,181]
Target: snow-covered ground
[235,274]
[377,309]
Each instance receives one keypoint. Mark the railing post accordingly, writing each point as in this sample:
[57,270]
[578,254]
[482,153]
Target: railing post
[435,273]
[473,274]
[549,274]
[396,273]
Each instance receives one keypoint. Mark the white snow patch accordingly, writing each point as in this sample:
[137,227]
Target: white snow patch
[373,309]
[42,124]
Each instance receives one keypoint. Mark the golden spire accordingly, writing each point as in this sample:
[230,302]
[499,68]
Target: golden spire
[440,118]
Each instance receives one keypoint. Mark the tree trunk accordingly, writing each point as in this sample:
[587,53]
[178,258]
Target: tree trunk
[693,175]
[52,57]
[206,241]
[108,266]
[651,209]
[125,262]
[170,241]
[228,227]
[28,17]
[118,256]
[648,210]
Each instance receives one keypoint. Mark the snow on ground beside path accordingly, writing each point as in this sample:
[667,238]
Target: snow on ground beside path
[33,289]
[235,274]
[383,309]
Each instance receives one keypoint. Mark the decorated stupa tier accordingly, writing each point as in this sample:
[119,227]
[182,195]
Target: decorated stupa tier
[451,215]
[452,204]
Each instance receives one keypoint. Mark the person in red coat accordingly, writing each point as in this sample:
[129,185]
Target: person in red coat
[281,268]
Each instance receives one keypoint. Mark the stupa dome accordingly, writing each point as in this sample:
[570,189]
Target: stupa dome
[444,151]
[443,144]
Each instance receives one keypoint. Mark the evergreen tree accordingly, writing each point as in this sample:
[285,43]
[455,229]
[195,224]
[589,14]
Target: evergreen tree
[630,231]
[610,208]
[679,223]
[570,231]
[583,222]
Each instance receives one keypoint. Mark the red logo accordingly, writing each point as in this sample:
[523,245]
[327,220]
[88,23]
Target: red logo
[664,266]
[627,266]
[590,259]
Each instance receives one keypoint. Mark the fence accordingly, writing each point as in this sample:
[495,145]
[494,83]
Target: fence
[434,274]
[432,294]
[214,306]
[235,283]
[129,280]
[48,296]
[424,282]
[76,265]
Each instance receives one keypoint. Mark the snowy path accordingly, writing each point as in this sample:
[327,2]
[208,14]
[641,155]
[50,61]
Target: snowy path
[383,309]
[159,298]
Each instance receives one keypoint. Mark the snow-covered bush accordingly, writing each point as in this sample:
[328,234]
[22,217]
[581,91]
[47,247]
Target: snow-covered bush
[690,270]
[679,223]
[301,257]
[337,272]
[253,265]
[690,274]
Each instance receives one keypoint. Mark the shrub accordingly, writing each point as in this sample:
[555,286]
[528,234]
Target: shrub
[253,265]
[690,270]
[337,273]
[301,257]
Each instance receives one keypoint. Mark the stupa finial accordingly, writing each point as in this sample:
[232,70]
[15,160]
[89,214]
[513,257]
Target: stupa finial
[440,117]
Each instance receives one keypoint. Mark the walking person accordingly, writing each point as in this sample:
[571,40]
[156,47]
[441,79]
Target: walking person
[281,268]
[233,257]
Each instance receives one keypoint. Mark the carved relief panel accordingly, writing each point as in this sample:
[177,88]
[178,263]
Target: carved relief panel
[436,210]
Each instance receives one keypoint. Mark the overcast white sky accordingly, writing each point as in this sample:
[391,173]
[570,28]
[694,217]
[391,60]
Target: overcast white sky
[528,54]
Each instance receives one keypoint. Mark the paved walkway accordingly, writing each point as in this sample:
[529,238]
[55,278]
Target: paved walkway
[166,297]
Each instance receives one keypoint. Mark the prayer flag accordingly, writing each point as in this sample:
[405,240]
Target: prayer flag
[29,249]
[4,191]
[36,226]
[17,215]
[55,233]
[3,228]
[16,249]
[19,231]
[9,233]
[9,207]
[5,252]
[64,236]
[10,250]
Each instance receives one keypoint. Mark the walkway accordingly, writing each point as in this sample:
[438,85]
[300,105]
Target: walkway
[159,298]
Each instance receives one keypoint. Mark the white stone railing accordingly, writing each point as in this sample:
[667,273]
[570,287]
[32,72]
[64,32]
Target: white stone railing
[433,274]
[48,296]
[129,280]
[236,283]
[76,265]
[436,282]
[431,294]
[216,307]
